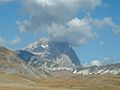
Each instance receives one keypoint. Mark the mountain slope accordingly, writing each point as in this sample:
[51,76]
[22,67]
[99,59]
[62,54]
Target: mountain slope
[11,64]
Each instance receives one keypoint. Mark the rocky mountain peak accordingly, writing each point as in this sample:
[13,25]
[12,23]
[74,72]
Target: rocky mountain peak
[58,54]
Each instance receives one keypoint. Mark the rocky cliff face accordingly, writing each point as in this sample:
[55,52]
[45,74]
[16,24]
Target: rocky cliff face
[57,56]
[49,55]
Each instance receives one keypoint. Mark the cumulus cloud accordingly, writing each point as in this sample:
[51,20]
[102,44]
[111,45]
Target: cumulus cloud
[95,63]
[103,61]
[106,22]
[59,19]
[23,26]
[109,60]
[47,12]
[2,41]
[79,31]
[15,41]
[75,32]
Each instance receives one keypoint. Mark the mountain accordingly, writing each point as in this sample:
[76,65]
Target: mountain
[29,62]
[59,56]
[113,69]
[49,54]
[31,70]
[10,63]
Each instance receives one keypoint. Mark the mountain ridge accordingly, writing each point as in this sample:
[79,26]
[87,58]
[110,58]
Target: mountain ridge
[31,63]
[53,53]
[43,53]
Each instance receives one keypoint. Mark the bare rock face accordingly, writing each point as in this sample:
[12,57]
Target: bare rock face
[49,54]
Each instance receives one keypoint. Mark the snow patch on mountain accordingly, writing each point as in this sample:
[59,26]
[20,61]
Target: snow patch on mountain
[113,69]
[43,53]
[60,56]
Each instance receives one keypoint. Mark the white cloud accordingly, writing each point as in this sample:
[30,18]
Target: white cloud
[15,41]
[104,61]
[58,18]
[79,31]
[109,60]
[46,12]
[4,41]
[76,32]
[105,23]
[23,26]
[95,63]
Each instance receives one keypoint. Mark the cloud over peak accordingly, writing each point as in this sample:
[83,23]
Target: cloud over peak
[76,32]
[47,12]
[60,20]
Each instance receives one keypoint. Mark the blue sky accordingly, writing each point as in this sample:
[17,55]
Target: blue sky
[106,44]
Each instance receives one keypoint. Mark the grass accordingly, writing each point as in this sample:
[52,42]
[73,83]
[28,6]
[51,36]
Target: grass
[63,82]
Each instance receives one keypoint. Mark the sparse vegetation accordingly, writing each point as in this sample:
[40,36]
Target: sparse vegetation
[63,82]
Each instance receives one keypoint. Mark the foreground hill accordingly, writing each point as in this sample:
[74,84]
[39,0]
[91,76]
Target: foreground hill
[11,64]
